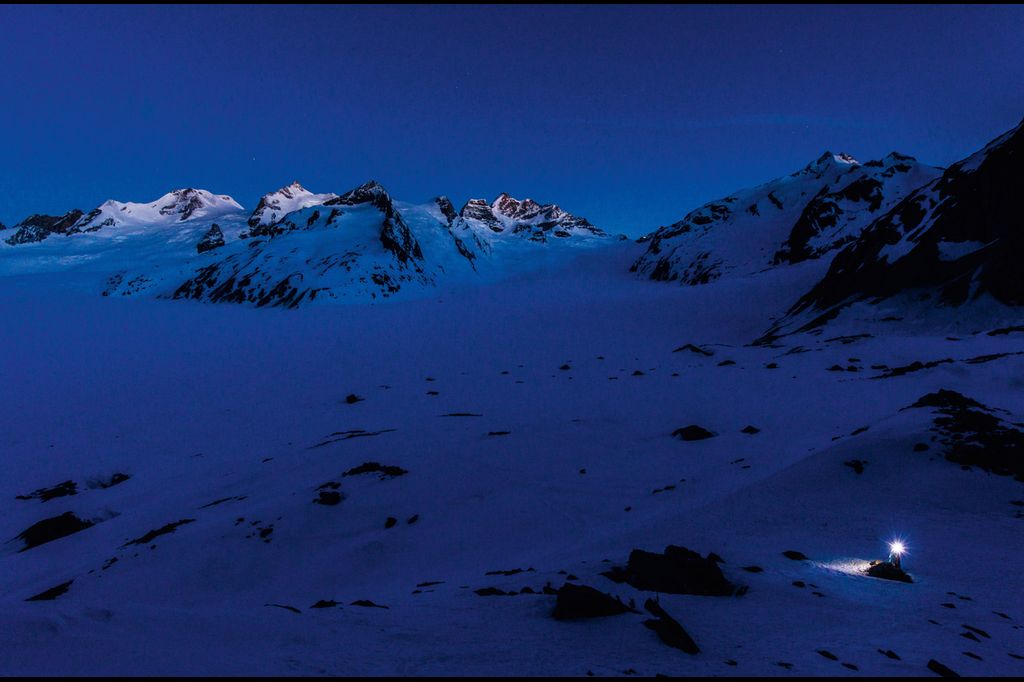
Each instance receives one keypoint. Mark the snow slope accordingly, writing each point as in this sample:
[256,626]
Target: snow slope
[232,424]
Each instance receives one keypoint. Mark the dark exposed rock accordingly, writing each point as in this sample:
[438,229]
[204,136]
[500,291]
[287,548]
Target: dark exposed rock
[750,430]
[794,555]
[285,607]
[153,534]
[222,500]
[385,470]
[1006,330]
[693,349]
[51,529]
[352,398]
[64,489]
[856,464]
[526,218]
[447,209]
[915,366]
[677,571]
[693,432]
[669,629]
[324,604]
[213,239]
[390,522]
[367,603]
[348,435]
[973,436]
[887,571]
[36,228]
[581,601]
[115,479]
[940,670]
[329,498]
[511,571]
[977,631]
[52,593]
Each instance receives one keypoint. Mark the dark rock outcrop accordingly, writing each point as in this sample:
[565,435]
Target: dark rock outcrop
[888,571]
[677,571]
[669,629]
[52,593]
[693,432]
[51,529]
[213,239]
[64,489]
[581,601]
[973,435]
[38,227]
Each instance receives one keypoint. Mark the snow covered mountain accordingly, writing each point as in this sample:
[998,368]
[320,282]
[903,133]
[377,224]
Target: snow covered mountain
[176,206]
[273,207]
[524,219]
[805,215]
[957,239]
[357,245]
[296,247]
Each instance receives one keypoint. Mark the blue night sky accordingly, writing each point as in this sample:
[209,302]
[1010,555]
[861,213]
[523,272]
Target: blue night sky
[630,116]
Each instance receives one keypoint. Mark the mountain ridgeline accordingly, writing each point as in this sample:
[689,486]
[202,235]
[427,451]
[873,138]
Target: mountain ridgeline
[956,239]
[856,232]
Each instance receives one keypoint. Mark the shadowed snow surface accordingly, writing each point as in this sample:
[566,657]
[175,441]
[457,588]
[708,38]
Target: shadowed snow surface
[230,422]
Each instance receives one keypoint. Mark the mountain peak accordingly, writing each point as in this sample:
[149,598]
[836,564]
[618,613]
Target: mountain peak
[370,191]
[831,158]
[276,205]
[528,218]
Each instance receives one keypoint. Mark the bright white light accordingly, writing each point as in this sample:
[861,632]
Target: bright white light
[896,547]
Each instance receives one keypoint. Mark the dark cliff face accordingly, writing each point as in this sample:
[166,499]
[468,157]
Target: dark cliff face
[447,209]
[960,236]
[36,228]
[480,210]
[823,213]
[213,239]
[395,235]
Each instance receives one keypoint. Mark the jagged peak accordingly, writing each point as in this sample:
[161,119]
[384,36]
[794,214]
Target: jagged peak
[832,158]
[446,207]
[370,191]
[898,157]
